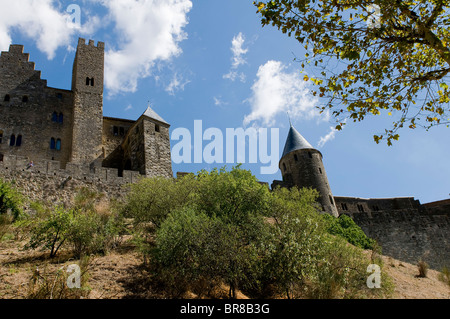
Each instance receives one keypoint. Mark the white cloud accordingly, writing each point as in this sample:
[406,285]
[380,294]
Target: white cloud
[129,107]
[277,91]
[150,32]
[219,102]
[177,83]
[329,137]
[238,58]
[39,20]
[147,32]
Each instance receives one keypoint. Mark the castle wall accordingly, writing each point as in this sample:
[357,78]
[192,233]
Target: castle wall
[32,114]
[48,182]
[405,229]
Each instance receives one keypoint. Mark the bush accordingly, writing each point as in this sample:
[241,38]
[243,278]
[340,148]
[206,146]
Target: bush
[10,200]
[46,285]
[345,227]
[444,276]
[5,224]
[192,248]
[84,229]
[232,230]
[50,232]
[422,266]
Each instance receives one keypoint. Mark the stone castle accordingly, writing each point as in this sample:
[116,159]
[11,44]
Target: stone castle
[61,129]
[72,145]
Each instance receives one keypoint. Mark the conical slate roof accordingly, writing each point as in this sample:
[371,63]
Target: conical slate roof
[153,115]
[295,141]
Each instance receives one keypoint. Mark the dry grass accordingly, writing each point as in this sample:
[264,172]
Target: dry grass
[121,275]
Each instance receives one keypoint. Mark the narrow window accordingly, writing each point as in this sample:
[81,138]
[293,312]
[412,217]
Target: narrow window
[361,208]
[1,136]
[25,99]
[296,157]
[284,167]
[331,199]
[1,157]
[58,144]
[92,82]
[19,140]
[121,131]
[157,128]
[309,154]
[88,81]
[12,140]
[61,118]
[7,98]
[344,206]
[55,117]
[115,130]
[52,144]
[320,170]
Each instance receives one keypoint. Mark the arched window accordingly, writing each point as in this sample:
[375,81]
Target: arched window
[58,144]
[12,140]
[19,140]
[55,117]
[7,98]
[61,118]
[52,144]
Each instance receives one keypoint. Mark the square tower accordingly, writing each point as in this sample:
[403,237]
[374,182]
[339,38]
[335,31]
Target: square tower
[87,86]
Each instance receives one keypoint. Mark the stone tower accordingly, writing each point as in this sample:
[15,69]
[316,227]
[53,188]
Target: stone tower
[301,165]
[87,87]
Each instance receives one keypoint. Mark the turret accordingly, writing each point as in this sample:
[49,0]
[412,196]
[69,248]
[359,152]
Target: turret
[301,165]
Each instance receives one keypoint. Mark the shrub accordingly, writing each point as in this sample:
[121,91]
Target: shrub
[10,200]
[345,227]
[444,276]
[192,248]
[5,224]
[422,266]
[50,232]
[151,199]
[46,285]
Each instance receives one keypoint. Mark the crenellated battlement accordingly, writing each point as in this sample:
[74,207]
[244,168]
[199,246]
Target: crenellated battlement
[50,168]
[82,41]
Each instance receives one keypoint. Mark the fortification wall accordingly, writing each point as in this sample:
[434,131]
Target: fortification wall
[48,182]
[405,229]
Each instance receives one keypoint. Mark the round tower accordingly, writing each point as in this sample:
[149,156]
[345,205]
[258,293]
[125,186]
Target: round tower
[301,165]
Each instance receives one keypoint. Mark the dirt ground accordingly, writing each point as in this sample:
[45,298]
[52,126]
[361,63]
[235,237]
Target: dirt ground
[120,275]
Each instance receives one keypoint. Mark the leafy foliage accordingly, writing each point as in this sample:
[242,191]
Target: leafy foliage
[372,57]
[51,232]
[82,227]
[10,200]
[345,227]
[233,230]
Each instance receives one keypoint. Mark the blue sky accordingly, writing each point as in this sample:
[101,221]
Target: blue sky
[211,60]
